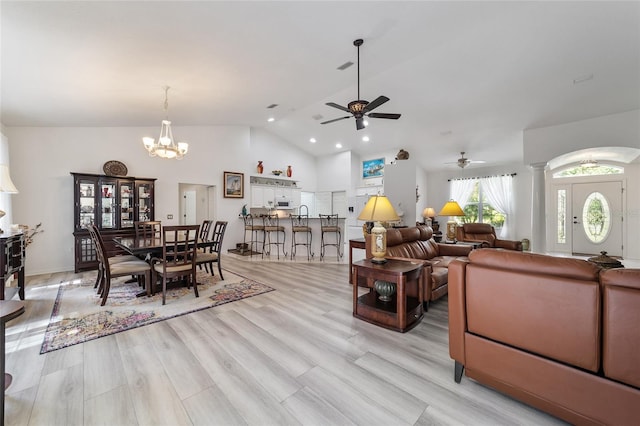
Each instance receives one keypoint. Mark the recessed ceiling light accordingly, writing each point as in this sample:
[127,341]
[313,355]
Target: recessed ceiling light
[365,139]
[338,145]
[312,140]
[271,119]
[366,123]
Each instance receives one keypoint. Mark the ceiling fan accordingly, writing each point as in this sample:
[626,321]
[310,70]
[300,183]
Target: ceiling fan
[463,162]
[361,108]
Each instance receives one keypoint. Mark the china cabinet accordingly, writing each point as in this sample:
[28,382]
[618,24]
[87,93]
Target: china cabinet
[113,203]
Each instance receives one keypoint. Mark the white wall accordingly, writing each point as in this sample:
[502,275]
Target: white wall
[546,143]
[334,172]
[277,154]
[42,158]
[399,187]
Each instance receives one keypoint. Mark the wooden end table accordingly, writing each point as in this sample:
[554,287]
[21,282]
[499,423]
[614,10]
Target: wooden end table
[401,313]
[355,243]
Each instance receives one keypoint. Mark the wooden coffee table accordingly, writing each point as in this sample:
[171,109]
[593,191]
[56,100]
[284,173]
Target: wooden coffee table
[401,313]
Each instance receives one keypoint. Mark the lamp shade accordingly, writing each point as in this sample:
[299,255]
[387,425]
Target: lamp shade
[378,209]
[429,212]
[451,208]
[6,184]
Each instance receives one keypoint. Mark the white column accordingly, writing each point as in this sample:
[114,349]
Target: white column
[538,210]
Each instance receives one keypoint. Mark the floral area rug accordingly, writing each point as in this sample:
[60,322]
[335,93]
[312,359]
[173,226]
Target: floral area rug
[77,316]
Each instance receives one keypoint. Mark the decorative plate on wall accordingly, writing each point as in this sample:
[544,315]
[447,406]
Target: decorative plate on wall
[114,168]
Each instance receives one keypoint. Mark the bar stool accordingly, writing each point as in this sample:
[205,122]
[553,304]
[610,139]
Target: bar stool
[271,225]
[329,225]
[254,230]
[300,224]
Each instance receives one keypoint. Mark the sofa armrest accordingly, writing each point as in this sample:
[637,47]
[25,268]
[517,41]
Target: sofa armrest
[454,249]
[485,243]
[509,245]
[457,309]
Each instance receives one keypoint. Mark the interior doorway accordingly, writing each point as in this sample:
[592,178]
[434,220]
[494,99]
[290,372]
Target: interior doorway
[197,203]
[596,217]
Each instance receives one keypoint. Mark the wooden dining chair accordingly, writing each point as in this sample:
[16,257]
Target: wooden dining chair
[205,228]
[93,232]
[179,245]
[148,229]
[211,254]
[109,270]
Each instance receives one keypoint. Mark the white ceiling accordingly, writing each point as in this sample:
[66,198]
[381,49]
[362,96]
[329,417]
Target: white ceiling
[466,76]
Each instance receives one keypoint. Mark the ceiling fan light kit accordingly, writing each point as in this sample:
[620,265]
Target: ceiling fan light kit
[360,108]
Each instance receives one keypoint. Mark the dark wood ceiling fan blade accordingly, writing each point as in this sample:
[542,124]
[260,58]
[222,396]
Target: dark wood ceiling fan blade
[359,123]
[335,105]
[376,103]
[336,119]
[384,115]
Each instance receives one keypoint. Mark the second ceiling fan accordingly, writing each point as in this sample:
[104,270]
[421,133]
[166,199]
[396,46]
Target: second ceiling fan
[360,109]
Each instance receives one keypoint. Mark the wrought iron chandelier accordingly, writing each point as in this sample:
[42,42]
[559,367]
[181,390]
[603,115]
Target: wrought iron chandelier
[165,147]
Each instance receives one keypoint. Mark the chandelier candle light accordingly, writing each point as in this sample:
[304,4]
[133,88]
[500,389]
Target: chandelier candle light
[378,209]
[166,147]
[451,208]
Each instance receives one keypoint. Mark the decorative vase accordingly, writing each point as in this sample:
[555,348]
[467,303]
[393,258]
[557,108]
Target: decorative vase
[385,290]
[289,171]
[260,167]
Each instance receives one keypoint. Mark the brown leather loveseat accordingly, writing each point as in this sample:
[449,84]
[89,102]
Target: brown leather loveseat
[559,334]
[417,243]
[486,234]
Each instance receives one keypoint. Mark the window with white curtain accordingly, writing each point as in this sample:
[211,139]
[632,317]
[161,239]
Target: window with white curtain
[486,200]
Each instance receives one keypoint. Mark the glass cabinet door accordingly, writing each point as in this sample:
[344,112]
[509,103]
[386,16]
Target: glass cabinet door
[87,205]
[127,193]
[145,201]
[108,205]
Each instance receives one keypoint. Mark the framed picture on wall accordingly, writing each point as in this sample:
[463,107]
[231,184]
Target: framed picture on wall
[373,168]
[233,185]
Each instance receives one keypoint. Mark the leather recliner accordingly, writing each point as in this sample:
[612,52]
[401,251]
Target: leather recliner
[486,234]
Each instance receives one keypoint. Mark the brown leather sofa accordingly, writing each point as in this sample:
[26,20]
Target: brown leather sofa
[559,334]
[417,243]
[486,234]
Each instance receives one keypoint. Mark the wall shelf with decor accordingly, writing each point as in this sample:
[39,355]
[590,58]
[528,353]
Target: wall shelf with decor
[273,180]
[113,203]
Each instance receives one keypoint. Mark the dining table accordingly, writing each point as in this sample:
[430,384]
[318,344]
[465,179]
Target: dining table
[148,249]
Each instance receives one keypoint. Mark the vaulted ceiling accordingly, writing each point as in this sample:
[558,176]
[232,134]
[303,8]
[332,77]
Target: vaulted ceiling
[466,76]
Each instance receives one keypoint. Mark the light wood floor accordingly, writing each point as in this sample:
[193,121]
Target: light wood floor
[292,356]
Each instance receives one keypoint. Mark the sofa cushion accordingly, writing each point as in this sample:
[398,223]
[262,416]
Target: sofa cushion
[545,305]
[621,316]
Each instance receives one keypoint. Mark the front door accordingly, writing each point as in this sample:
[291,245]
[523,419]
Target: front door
[597,218]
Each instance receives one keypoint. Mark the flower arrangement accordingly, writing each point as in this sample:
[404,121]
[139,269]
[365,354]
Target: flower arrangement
[276,172]
[30,233]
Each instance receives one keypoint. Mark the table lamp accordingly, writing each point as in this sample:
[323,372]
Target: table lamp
[428,214]
[6,185]
[378,209]
[451,208]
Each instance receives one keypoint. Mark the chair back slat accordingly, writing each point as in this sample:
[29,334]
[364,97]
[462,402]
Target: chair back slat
[218,234]
[205,229]
[328,220]
[179,245]
[148,229]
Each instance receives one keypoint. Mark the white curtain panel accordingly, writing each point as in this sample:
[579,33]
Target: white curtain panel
[498,190]
[461,190]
